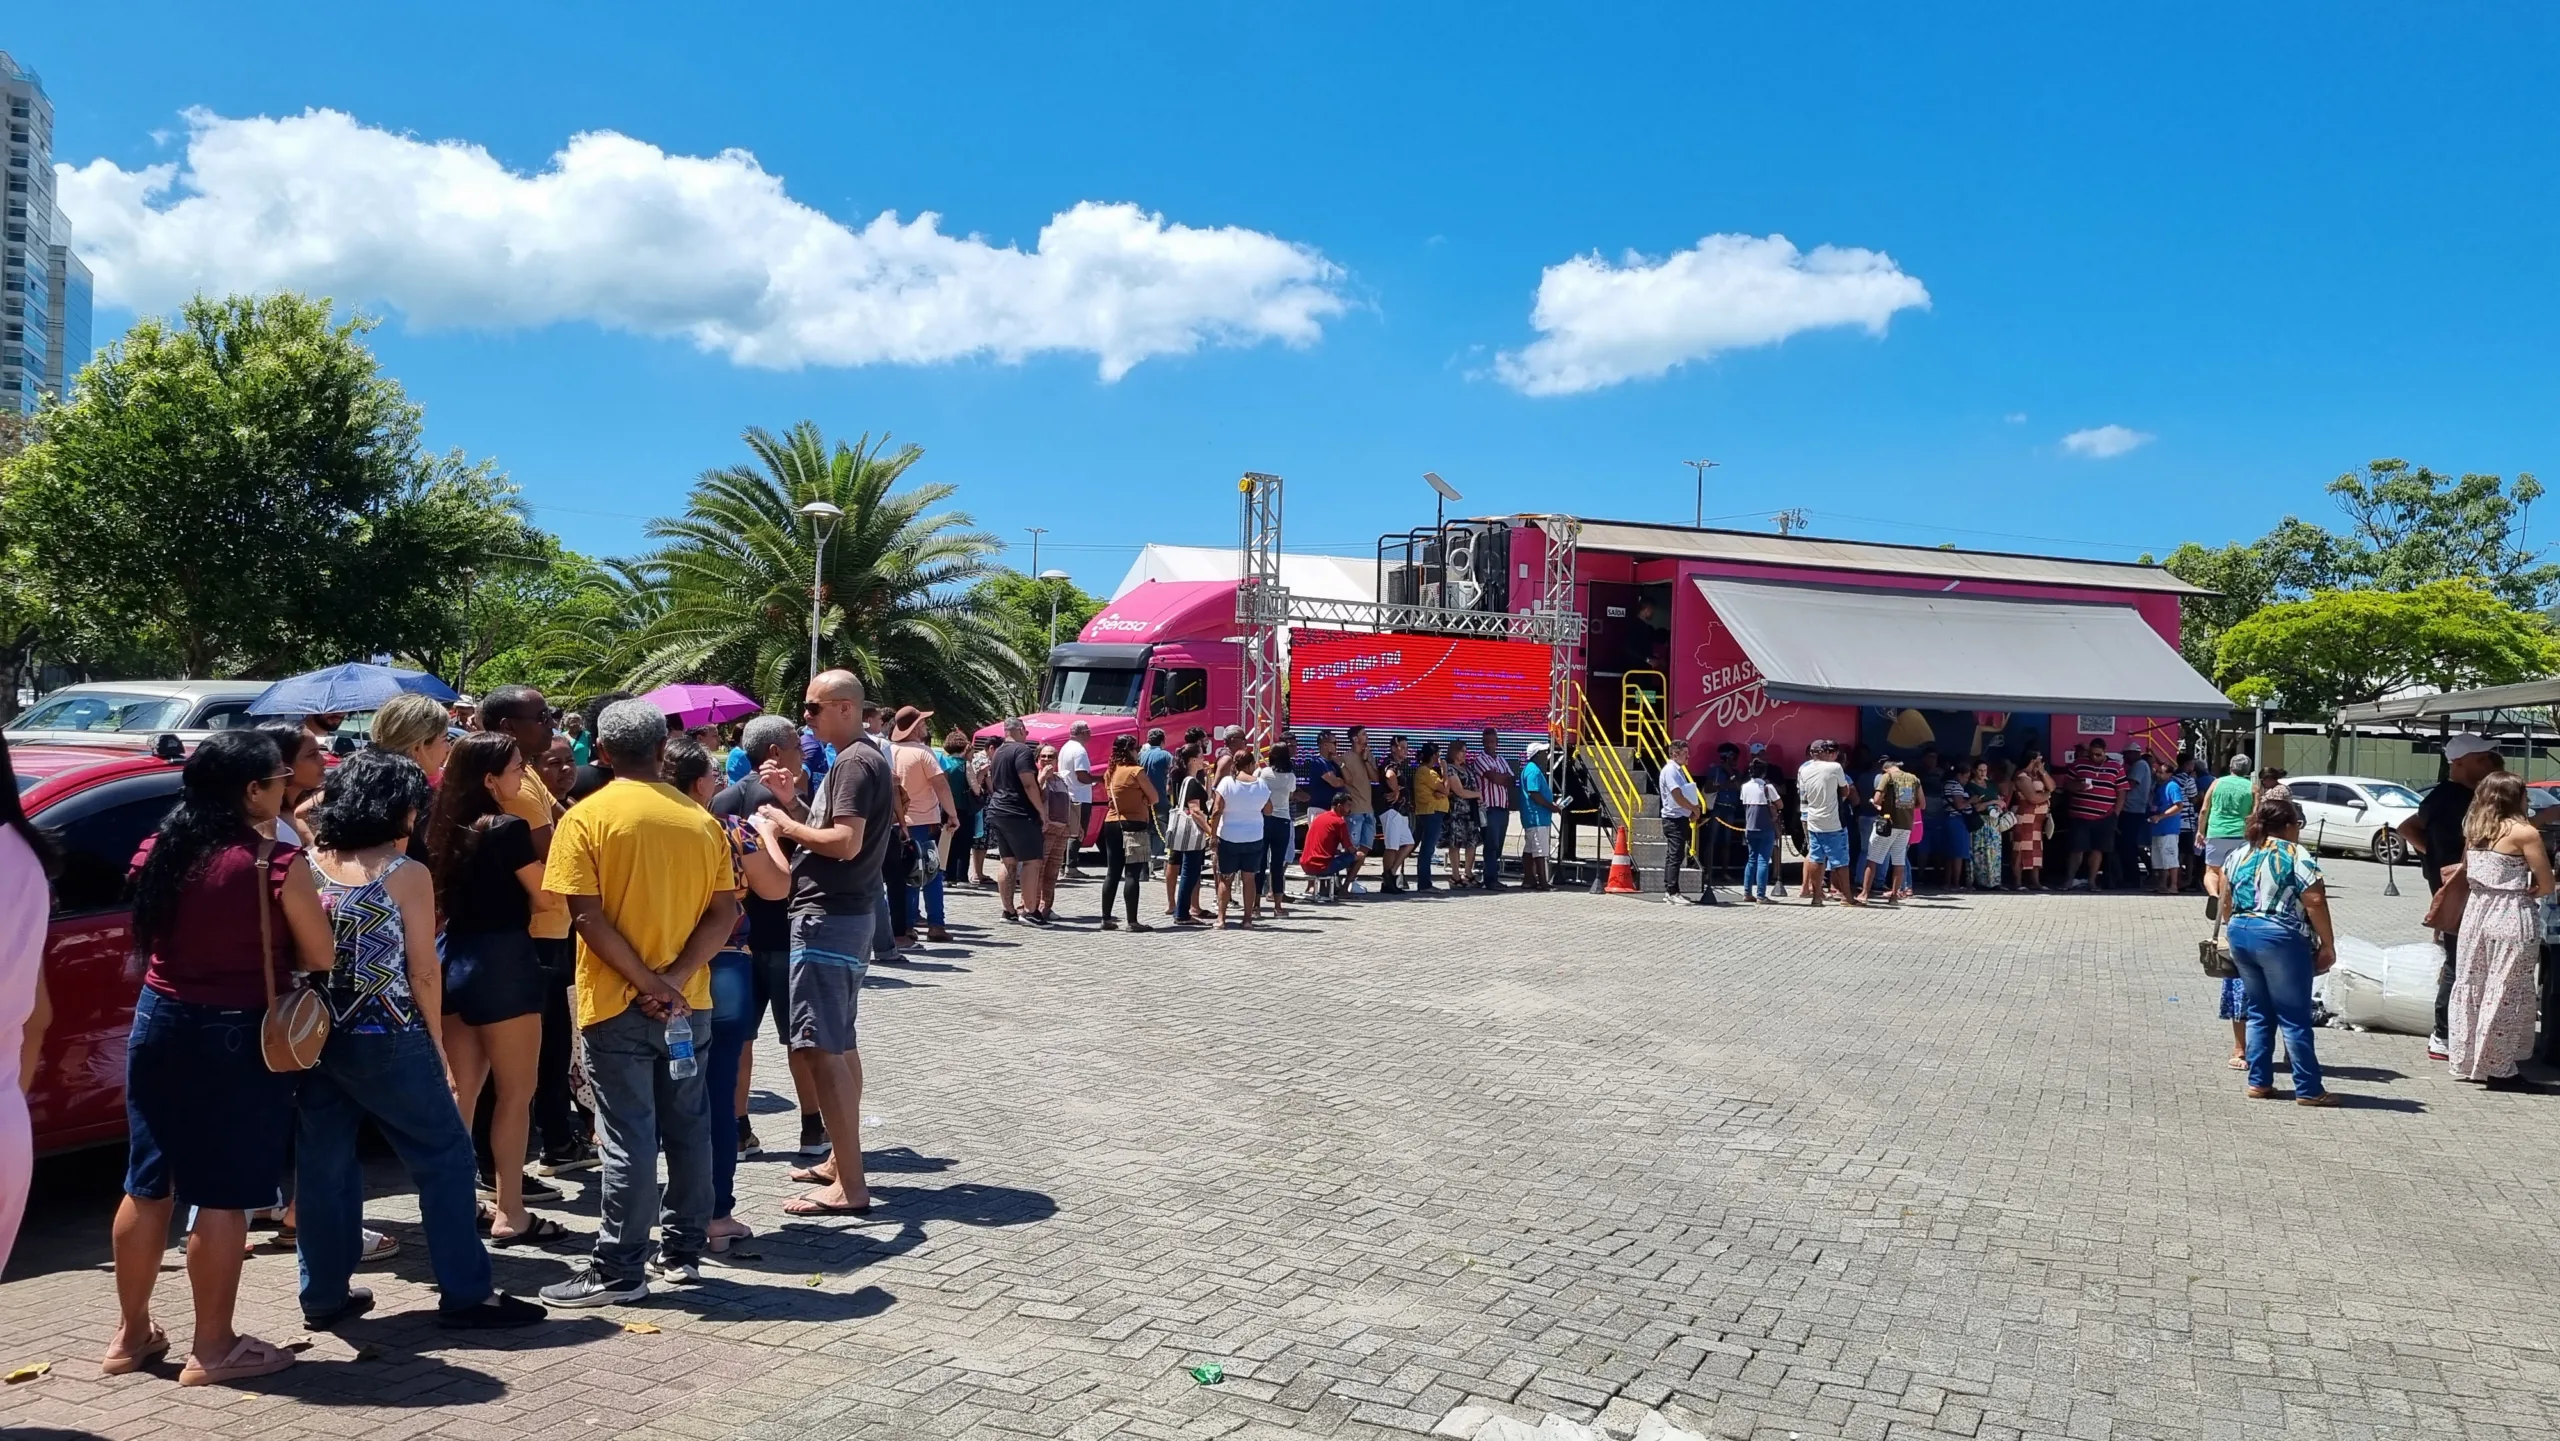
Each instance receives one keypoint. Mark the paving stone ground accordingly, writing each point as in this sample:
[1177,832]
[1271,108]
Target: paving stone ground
[1971,1169]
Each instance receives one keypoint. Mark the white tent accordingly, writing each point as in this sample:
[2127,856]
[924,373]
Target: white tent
[1324,577]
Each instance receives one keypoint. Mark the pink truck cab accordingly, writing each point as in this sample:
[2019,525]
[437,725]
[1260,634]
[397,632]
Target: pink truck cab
[1163,655]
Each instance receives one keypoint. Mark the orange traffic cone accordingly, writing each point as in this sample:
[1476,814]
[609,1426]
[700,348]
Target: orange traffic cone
[1622,869]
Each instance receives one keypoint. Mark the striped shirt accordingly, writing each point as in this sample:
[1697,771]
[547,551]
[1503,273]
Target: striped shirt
[1493,781]
[2101,789]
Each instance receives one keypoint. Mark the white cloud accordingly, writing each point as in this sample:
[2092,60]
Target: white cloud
[2105,442]
[617,232]
[1600,324]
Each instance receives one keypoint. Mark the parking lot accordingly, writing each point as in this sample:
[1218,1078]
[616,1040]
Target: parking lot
[1973,1168]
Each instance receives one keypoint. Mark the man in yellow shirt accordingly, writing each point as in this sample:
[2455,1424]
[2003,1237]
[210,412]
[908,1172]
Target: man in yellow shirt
[520,713]
[650,887]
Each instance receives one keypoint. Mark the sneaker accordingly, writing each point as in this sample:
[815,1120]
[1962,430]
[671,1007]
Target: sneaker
[2436,1050]
[359,1300]
[673,1268]
[498,1313]
[813,1137]
[1671,898]
[580,1157]
[2079,885]
[588,1286]
[535,1188]
[748,1146]
[1358,889]
[1035,918]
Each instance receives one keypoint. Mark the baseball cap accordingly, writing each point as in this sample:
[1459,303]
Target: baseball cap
[1822,747]
[2469,745]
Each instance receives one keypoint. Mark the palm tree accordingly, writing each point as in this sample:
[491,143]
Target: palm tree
[900,607]
[600,635]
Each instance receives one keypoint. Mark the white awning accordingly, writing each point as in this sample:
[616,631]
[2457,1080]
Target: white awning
[1833,646]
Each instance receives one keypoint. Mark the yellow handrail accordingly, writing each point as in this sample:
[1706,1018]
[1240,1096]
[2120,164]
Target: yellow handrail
[1607,766]
[1640,726]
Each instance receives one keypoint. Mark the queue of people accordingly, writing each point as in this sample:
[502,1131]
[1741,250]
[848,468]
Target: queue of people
[1877,829]
[1221,823]
[423,912]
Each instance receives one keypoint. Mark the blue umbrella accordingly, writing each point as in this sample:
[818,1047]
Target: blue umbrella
[339,689]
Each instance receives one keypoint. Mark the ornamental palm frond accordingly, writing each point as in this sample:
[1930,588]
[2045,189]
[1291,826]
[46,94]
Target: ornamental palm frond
[599,635]
[898,604]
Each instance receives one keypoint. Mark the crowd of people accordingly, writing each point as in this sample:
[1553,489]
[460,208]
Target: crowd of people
[546,942]
[1868,828]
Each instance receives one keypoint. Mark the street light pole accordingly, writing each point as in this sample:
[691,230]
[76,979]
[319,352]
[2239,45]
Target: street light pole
[1050,578]
[1701,467]
[822,522]
[1037,531]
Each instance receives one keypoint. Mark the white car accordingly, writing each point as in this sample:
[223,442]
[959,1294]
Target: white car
[134,712]
[2354,815]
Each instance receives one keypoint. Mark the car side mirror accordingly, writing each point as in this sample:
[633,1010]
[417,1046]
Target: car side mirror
[2357,804]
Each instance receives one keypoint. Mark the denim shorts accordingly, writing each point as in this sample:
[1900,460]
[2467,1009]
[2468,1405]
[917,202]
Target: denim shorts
[503,980]
[1827,849]
[205,1119]
[827,968]
[1237,858]
[1364,830]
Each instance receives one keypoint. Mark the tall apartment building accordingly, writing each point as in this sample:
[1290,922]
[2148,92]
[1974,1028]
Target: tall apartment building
[44,289]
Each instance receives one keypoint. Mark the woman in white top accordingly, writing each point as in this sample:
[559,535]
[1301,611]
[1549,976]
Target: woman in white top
[1243,801]
[1760,804]
[1279,835]
[26,898]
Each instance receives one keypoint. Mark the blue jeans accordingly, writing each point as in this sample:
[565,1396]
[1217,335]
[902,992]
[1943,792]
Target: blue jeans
[884,926]
[737,1001]
[2275,970]
[1186,890]
[397,1080]
[1279,847]
[1426,840]
[641,1109]
[1497,825]
[926,837]
[1760,849]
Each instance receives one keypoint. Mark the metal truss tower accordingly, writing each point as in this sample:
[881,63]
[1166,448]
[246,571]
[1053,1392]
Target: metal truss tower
[1555,606]
[1261,604]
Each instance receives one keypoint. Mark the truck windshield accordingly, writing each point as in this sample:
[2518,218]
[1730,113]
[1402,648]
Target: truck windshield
[1084,690]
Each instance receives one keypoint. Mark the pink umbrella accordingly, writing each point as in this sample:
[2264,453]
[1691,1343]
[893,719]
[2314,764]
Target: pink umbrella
[701,705]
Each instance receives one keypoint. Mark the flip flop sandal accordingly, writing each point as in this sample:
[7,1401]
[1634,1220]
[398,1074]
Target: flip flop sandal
[803,1206]
[152,1350]
[810,1176]
[249,1358]
[542,1232]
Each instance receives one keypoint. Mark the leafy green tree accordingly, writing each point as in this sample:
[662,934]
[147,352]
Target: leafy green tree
[2412,526]
[900,603]
[2306,658]
[1021,604]
[243,490]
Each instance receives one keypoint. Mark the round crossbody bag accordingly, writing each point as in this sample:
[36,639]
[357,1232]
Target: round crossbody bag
[297,1020]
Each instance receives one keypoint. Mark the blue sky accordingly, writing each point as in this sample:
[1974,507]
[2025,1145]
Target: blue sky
[2277,245]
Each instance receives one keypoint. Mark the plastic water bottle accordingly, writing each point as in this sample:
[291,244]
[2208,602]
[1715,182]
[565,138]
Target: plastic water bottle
[680,1061]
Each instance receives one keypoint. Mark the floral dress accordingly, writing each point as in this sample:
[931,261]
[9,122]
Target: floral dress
[2491,1019]
[1983,869]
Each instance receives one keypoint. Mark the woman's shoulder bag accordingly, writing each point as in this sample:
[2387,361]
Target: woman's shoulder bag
[297,1022]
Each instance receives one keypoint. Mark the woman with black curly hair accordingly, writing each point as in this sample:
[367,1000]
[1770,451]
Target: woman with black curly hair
[206,1120]
[384,1061]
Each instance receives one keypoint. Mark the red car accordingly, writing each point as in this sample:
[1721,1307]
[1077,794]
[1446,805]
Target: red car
[97,802]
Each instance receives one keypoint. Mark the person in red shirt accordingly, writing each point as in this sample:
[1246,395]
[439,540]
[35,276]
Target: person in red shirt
[1328,851]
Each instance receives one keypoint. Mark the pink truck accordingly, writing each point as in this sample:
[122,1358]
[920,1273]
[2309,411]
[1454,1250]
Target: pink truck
[1163,655]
